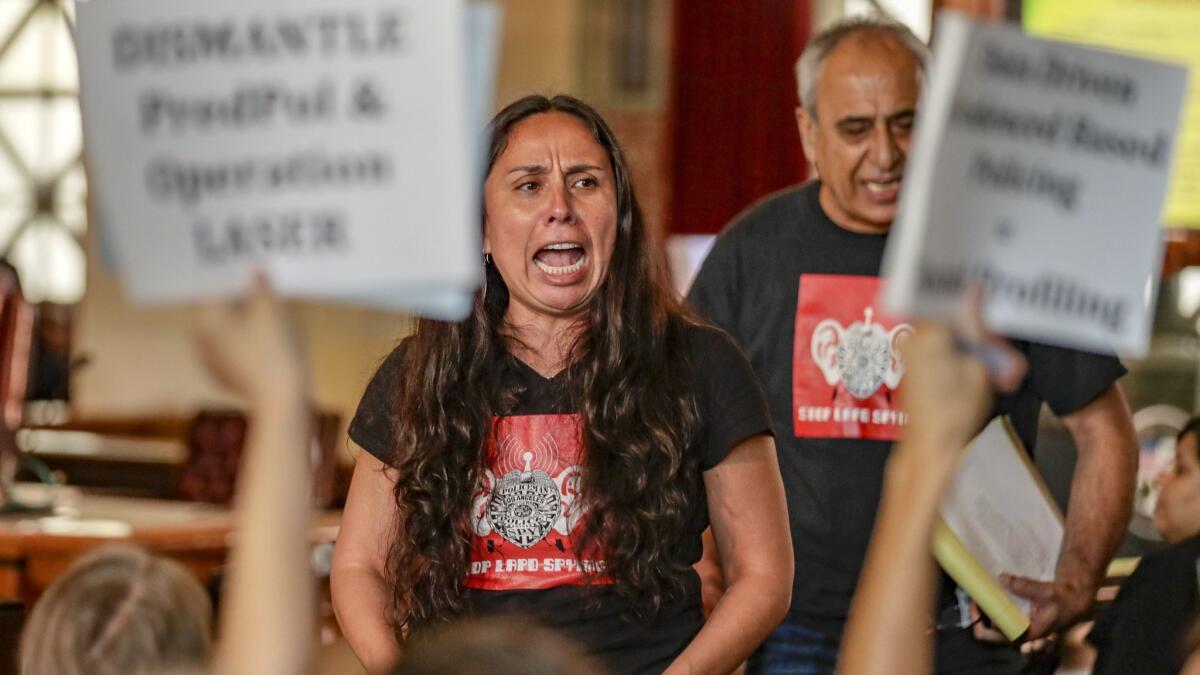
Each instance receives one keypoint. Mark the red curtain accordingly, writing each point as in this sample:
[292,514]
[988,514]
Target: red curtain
[733,95]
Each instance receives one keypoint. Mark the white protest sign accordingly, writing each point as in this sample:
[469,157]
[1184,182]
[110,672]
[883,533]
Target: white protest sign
[1038,170]
[325,141]
[483,53]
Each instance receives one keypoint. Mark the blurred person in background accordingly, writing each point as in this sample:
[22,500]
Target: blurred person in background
[559,453]
[1145,630]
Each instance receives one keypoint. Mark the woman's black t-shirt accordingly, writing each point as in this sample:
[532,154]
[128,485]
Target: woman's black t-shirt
[525,513]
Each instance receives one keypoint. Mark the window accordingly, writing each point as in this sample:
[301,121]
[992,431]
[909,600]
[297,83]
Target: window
[43,214]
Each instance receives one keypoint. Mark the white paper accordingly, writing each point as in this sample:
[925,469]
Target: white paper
[483,53]
[1000,512]
[332,144]
[1039,169]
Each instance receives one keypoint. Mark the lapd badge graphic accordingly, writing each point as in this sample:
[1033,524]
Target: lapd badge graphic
[862,357]
[524,505]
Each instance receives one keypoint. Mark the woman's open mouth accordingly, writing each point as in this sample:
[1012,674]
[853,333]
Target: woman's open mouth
[560,259]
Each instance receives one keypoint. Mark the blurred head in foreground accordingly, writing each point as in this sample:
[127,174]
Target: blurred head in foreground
[120,611]
[510,646]
[1177,513]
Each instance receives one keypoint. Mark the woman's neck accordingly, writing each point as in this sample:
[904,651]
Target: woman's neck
[543,342]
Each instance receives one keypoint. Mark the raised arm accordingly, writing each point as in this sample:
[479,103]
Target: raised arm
[947,396]
[749,523]
[268,615]
[361,592]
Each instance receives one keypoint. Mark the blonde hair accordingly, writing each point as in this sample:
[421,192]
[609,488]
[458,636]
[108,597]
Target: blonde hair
[119,611]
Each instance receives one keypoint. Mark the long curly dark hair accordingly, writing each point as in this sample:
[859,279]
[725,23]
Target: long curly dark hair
[629,383]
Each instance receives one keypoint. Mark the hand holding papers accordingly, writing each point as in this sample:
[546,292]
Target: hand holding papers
[329,144]
[1039,170]
[997,518]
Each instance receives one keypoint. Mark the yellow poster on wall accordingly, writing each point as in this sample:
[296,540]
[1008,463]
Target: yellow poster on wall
[1163,29]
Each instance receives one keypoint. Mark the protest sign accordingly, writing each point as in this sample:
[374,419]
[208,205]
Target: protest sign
[329,143]
[1038,170]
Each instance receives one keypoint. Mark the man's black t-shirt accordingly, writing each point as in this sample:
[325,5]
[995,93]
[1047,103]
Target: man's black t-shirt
[799,293]
[525,513]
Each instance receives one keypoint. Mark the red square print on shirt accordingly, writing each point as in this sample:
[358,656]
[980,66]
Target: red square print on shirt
[845,364]
[526,514]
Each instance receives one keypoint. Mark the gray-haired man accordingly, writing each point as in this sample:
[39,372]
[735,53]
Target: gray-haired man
[795,280]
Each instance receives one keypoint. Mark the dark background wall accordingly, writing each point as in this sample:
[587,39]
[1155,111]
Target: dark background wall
[731,121]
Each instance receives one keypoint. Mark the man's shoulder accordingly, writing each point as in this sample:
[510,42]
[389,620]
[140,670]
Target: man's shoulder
[775,214]
[757,250]
[703,337]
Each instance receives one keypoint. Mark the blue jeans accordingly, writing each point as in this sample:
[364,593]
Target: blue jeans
[792,649]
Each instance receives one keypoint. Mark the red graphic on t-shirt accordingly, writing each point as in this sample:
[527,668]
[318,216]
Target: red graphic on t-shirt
[526,513]
[846,365]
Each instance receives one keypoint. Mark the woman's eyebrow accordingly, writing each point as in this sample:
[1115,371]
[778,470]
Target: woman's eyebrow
[541,168]
[528,168]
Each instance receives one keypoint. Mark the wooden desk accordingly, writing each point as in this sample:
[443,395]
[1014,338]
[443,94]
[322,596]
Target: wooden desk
[36,550]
